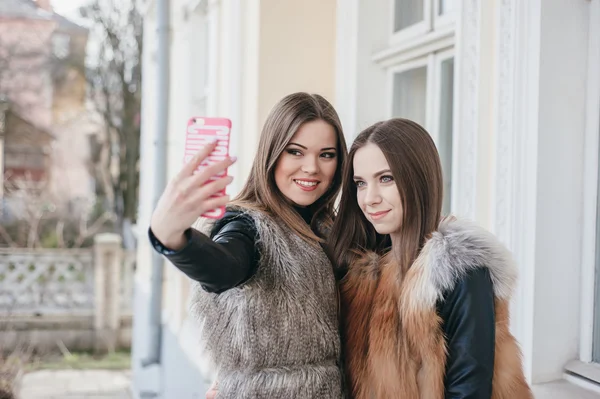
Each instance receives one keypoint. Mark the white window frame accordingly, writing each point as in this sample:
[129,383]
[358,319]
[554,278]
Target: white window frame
[445,20]
[433,63]
[590,200]
[432,22]
[413,30]
[425,44]
[438,59]
[417,63]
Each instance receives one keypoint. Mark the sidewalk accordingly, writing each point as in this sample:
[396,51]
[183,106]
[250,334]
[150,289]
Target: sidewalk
[76,384]
[562,390]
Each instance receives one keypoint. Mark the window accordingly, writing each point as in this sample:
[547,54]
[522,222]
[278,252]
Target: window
[423,91]
[24,157]
[589,351]
[410,93]
[408,13]
[420,67]
[412,18]
[444,112]
[596,315]
[446,7]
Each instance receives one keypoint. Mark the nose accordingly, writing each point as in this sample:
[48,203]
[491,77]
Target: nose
[310,165]
[372,195]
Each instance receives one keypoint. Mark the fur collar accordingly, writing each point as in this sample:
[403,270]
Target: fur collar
[457,247]
[460,246]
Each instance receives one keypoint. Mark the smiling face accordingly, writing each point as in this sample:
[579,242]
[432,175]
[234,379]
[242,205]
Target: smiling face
[376,191]
[306,168]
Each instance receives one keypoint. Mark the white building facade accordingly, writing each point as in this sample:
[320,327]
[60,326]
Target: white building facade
[509,90]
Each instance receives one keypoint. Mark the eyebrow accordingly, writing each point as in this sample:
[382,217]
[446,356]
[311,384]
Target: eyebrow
[381,172]
[322,149]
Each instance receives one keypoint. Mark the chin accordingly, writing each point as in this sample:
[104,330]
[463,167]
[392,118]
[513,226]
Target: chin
[382,229]
[302,202]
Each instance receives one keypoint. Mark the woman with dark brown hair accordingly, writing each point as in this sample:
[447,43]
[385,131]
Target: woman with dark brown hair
[267,300]
[425,299]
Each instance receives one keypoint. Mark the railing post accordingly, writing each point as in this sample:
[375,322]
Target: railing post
[108,258]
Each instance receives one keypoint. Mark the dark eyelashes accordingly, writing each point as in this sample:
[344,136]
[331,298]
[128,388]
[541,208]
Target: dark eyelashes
[383,179]
[327,155]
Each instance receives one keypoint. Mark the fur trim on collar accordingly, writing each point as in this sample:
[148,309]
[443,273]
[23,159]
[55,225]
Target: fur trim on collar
[457,247]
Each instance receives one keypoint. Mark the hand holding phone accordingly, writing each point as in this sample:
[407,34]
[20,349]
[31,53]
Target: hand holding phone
[199,133]
[194,191]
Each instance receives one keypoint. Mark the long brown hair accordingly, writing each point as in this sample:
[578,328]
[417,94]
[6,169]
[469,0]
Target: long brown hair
[415,165]
[260,191]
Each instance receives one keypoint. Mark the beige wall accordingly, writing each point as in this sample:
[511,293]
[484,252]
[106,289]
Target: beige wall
[288,46]
[297,50]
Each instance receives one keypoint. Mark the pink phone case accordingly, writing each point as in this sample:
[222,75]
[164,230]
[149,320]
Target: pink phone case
[199,131]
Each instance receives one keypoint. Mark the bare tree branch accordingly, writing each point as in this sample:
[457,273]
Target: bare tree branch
[86,232]
[115,88]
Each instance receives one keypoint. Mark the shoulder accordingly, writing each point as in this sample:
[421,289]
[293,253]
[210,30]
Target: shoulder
[234,220]
[475,286]
[454,254]
[468,313]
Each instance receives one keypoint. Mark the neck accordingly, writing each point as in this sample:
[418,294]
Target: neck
[397,252]
[395,240]
[304,212]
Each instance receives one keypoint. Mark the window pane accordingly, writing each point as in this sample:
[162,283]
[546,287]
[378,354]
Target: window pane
[447,6]
[407,13]
[410,93]
[596,328]
[445,132]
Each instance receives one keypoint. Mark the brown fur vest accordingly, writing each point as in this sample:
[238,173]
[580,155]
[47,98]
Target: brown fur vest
[393,339]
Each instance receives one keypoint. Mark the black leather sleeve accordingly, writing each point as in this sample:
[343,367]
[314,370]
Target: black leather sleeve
[220,263]
[468,314]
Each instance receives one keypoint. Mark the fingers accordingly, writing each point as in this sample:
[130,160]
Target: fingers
[214,203]
[216,169]
[208,190]
[189,168]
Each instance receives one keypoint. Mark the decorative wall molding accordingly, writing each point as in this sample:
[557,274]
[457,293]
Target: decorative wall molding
[515,121]
[504,123]
[466,101]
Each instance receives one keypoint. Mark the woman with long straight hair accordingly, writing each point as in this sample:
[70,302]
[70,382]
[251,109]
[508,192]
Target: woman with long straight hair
[266,299]
[424,299]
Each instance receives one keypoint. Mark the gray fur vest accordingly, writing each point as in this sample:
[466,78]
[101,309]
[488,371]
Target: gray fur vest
[276,335]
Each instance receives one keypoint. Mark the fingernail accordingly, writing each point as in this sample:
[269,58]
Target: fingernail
[233,159]
[211,140]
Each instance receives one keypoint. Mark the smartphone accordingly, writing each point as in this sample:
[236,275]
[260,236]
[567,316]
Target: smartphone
[199,131]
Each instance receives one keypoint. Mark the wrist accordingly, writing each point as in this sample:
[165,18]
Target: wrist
[173,241]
